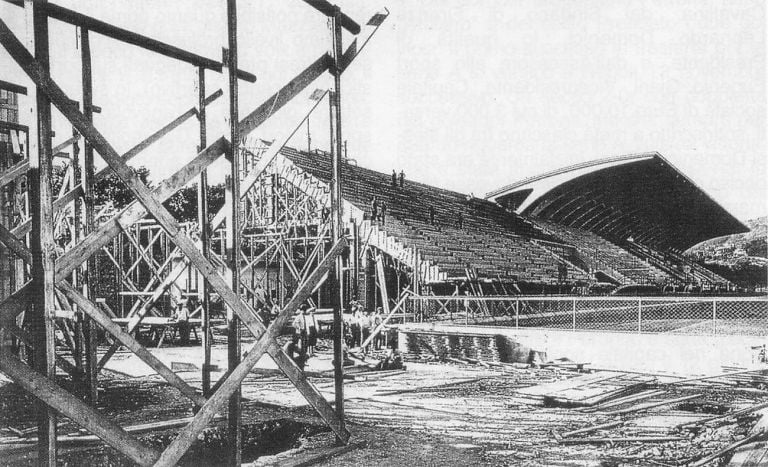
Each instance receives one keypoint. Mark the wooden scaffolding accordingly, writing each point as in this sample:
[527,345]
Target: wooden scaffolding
[275,232]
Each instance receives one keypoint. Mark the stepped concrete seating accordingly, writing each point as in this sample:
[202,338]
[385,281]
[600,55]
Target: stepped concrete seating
[686,270]
[491,240]
[601,255]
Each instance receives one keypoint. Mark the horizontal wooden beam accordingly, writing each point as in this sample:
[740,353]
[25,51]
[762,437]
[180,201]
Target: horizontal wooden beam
[65,144]
[92,24]
[79,412]
[328,9]
[5,85]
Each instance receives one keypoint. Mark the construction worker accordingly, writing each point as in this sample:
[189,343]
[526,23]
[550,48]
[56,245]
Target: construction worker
[181,316]
[432,215]
[394,178]
[378,318]
[294,350]
[460,220]
[402,178]
[382,212]
[301,326]
[366,324]
[356,325]
[374,209]
[311,331]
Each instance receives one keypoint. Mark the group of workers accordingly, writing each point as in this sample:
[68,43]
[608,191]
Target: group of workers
[303,341]
[361,324]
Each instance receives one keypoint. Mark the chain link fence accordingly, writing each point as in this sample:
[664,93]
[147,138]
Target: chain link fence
[674,315]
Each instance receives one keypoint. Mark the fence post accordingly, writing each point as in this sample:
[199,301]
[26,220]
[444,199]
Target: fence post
[517,313]
[714,316]
[466,319]
[640,315]
[573,308]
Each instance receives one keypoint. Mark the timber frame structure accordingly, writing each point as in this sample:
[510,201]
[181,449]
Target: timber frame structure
[272,216]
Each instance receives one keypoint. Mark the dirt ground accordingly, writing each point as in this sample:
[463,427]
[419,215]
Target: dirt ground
[434,413]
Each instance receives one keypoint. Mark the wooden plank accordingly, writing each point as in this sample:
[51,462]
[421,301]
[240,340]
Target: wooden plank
[15,245]
[41,243]
[76,410]
[232,232]
[127,340]
[216,401]
[317,456]
[653,405]
[18,89]
[632,439]
[205,237]
[753,455]
[590,429]
[328,9]
[12,173]
[78,19]
[89,270]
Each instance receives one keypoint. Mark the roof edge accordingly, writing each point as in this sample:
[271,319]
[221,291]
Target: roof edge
[570,168]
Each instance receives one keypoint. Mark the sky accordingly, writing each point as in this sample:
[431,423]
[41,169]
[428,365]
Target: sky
[468,96]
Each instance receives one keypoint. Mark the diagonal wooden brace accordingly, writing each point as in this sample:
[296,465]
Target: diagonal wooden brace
[15,303]
[265,343]
[72,407]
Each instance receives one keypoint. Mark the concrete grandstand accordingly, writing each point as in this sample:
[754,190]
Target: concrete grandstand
[613,224]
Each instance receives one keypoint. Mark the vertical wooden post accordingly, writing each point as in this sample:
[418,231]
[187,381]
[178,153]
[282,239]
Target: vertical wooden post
[517,313]
[573,312]
[337,223]
[639,315]
[77,276]
[41,238]
[90,268]
[354,257]
[205,237]
[416,283]
[233,228]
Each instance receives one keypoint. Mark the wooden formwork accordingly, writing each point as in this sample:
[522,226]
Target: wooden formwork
[57,286]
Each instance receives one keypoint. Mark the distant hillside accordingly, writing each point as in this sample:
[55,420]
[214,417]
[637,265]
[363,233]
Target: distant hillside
[754,243]
[741,258]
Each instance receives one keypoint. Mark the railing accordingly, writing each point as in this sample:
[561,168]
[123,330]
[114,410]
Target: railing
[674,315]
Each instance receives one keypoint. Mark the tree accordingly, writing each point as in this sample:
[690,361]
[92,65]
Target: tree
[183,204]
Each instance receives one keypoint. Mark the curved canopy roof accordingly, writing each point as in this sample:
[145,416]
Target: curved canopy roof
[639,196]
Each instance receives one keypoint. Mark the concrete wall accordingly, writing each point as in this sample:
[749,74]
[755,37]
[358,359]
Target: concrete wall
[681,354]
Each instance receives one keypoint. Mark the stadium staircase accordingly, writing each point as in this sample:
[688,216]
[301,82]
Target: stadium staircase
[686,271]
[600,255]
[493,242]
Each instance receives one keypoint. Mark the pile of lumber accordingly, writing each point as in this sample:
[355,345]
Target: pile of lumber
[584,391]
[483,347]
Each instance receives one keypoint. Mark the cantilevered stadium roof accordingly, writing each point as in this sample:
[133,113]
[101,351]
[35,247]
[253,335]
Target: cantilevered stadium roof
[639,196]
